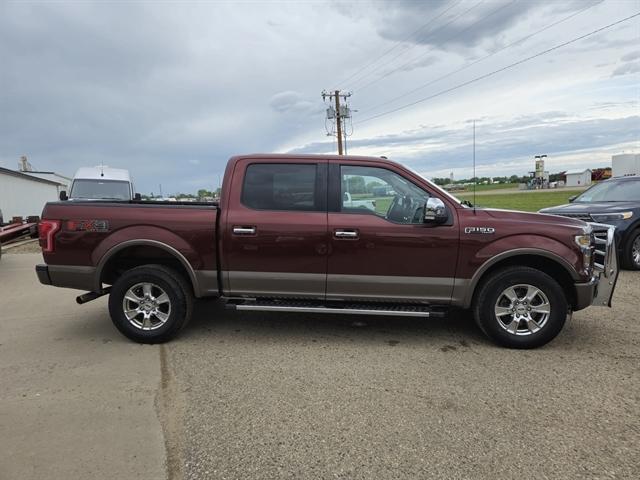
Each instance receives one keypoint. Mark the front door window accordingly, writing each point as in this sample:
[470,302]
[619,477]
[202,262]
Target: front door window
[381,192]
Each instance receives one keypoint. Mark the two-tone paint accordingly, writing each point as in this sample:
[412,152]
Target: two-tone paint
[232,250]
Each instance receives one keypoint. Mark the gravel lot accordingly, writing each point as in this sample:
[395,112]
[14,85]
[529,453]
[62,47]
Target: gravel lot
[244,396]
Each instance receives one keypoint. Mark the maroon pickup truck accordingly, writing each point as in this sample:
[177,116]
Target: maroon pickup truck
[351,235]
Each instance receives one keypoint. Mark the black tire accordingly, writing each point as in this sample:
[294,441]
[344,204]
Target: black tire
[161,279]
[534,328]
[628,260]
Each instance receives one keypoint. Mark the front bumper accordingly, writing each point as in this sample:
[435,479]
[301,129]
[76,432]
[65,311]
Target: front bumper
[605,266]
[585,293]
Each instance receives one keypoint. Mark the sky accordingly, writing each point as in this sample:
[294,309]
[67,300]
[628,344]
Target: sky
[171,90]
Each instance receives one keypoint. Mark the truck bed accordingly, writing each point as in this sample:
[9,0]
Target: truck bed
[93,235]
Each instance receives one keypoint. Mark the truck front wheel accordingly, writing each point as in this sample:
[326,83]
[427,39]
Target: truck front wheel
[150,304]
[520,307]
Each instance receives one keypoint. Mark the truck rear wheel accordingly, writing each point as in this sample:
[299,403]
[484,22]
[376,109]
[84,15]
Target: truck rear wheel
[520,307]
[150,304]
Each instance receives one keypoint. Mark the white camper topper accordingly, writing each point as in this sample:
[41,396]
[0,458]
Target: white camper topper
[101,183]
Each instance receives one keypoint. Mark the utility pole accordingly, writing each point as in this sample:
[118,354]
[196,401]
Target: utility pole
[338,122]
[339,113]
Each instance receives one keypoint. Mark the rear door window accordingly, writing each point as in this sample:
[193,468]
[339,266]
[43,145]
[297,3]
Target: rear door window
[285,186]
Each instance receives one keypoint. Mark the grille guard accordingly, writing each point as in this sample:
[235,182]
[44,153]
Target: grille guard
[605,263]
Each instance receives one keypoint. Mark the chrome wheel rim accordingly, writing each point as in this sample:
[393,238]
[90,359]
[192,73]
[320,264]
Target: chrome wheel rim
[522,309]
[635,251]
[146,306]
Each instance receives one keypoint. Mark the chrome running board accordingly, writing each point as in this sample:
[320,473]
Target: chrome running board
[260,305]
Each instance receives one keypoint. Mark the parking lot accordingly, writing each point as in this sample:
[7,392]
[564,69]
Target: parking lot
[244,396]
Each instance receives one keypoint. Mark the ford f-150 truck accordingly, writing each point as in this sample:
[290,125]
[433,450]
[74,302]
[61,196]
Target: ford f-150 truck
[283,238]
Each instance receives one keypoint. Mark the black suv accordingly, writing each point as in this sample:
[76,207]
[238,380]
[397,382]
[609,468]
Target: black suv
[617,202]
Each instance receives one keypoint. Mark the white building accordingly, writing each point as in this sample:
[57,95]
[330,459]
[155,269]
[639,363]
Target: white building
[578,178]
[22,195]
[625,164]
[54,177]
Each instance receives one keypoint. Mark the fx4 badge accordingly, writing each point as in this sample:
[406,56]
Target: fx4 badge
[485,230]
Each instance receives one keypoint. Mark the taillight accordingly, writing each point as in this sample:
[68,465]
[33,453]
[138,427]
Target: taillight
[46,231]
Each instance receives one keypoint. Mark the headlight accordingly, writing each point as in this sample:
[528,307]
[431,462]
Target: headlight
[608,217]
[584,242]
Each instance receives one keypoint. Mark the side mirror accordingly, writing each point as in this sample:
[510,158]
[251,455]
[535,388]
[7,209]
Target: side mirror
[572,198]
[137,197]
[435,211]
[63,196]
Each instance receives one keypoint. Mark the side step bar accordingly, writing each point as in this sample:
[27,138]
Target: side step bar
[422,311]
[91,296]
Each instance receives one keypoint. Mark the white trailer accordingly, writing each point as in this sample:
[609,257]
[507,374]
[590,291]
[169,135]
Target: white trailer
[625,165]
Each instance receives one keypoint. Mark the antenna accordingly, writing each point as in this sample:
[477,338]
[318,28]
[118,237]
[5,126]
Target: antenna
[475,180]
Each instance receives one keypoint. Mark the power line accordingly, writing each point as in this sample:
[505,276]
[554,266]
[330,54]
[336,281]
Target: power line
[413,60]
[482,77]
[399,43]
[424,38]
[470,64]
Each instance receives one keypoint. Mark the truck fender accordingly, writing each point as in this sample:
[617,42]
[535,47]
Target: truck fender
[135,236]
[502,249]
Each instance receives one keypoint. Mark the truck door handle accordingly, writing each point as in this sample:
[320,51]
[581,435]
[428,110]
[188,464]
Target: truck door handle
[346,234]
[244,230]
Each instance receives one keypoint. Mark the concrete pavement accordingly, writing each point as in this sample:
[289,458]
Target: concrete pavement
[77,399]
[318,397]
[264,396]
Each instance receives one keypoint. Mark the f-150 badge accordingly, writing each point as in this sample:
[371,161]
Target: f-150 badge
[485,230]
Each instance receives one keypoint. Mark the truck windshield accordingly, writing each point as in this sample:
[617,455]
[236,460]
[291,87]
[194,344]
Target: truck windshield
[622,191]
[89,189]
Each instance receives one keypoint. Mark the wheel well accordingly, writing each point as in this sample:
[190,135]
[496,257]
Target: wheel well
[138,255]
[625,246]
[544,264]
[628,234]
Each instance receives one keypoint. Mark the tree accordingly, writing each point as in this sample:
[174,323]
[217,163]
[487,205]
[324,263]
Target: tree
[372,185]
[355,184]
[442,181]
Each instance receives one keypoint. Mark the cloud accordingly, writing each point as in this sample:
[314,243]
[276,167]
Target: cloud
[630,56]
[157,87]
[421,62]
[498,142]
[626,69]
[292,101]
[440,23]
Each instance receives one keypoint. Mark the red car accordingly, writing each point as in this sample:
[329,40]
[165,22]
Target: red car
[283,239]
